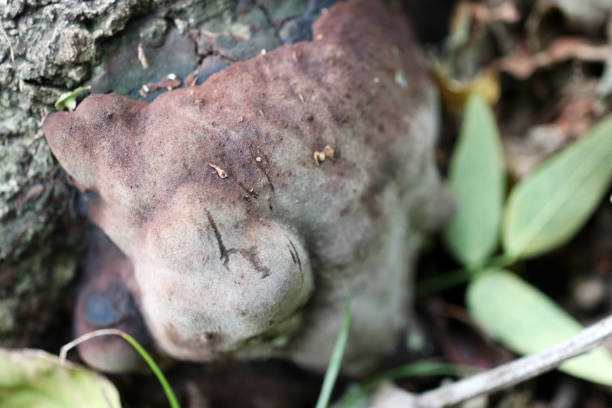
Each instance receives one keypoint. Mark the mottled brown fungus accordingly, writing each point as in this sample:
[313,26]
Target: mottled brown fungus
[215,273]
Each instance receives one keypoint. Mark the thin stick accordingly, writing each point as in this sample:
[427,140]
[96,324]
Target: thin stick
[6,37]
[86,337]
[518,370]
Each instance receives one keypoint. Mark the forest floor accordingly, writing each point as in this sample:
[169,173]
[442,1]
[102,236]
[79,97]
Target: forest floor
[546,68]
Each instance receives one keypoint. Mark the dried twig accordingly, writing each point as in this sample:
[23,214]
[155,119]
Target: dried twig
[505,375]
[86,337]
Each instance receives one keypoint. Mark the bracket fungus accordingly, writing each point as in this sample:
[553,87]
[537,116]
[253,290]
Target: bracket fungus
[227,238]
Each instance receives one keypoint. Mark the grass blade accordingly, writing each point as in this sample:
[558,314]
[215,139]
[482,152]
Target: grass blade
[336,360]
[155,368]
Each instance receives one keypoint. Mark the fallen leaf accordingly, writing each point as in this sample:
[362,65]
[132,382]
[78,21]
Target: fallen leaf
[36,379]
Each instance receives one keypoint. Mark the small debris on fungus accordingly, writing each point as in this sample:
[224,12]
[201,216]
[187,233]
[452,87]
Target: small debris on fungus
[319,157]
[220,172]
[142,57]
[327,153]
[190,80]
[170,82]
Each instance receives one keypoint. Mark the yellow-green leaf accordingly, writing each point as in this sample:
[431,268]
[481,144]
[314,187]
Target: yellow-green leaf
[477,178]
[37,379]
[526,321]
[67,100]
[549,206]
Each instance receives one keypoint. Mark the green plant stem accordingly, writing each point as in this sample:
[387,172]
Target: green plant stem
[442,282]
[451,279]
[155,368]
[132,342]
[335,360]
[501,261]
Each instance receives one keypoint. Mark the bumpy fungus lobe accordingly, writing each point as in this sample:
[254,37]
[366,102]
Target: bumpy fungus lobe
[226,265]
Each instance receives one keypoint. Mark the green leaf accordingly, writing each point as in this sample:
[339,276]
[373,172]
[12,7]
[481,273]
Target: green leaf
[34,378]
[550,205]
[67,100]
[477,179]
[335,360]
[527,321]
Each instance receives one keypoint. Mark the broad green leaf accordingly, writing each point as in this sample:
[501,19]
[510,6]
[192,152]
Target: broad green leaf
[549,206]
[477,179]
[37,379]
[527,321]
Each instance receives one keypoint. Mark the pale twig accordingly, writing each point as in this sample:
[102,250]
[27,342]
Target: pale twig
[86,337]
[508,374]
[6,37]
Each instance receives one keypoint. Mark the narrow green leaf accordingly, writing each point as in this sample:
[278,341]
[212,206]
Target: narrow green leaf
[422,368]
[155,368]
[335,361]
[550,205]
[34,378]
[477,179]
[527,321]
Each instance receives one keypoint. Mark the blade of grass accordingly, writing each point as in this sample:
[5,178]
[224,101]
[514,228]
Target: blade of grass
[417,369]
[155,368]
[132,342]
[335,360]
